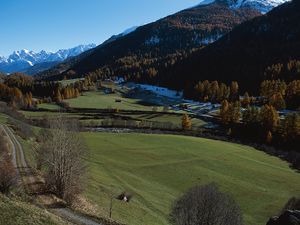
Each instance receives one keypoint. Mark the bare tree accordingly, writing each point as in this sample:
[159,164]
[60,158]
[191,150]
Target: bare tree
[206,205]
[7,175]
[111,194]
[61,155]
[7,169]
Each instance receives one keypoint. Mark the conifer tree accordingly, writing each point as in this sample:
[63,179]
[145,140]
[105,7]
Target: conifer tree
[269,137]
[246,100]
[186,122]
[224,110]
[58,97]
[269,117]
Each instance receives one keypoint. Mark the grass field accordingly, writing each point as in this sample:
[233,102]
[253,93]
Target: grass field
[159,168]
[50,106]
[40,114]
[3,118]
[99,100]
[71,81]
[87,119]
[176,119]
[14,212]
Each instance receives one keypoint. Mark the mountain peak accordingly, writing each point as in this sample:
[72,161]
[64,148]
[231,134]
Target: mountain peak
[263,6]
[25,51]
[129,30]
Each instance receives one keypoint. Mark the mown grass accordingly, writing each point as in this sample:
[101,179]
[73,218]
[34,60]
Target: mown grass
[68,82]
[99,100]
[176,119]
[14,212]
[50,106]
[3,118]
[86,119]
[40,114]
[159,168]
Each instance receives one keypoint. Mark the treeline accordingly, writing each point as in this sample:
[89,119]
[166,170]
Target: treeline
[281,94]
[262,125]
[283,71]
[278,93]
[265,124]
[18,90]
[66,93]
[214,91]
[14,97]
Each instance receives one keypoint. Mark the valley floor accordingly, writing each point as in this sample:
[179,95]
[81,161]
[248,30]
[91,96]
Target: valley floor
[158,168]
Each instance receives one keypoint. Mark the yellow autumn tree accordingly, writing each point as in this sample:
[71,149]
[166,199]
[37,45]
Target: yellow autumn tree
[186,122]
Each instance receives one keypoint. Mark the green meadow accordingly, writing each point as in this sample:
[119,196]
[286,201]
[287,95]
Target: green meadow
[100,100]
[157,169]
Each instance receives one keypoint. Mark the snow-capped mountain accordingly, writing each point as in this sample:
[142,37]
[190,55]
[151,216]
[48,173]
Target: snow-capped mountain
[124,33]
[263,6]
[129,30]
[20,61]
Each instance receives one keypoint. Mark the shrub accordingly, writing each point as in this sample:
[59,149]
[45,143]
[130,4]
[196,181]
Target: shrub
[206,205]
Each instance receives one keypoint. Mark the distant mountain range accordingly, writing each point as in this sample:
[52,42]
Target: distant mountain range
[31,62]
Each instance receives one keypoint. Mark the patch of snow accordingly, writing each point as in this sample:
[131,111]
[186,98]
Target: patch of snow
[119,80]
[154,40]
[263,6]
[129,30]
[206,2]
[161,91]
[30,63]
[206,40]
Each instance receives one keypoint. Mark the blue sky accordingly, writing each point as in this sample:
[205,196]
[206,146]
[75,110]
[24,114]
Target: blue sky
[56,24]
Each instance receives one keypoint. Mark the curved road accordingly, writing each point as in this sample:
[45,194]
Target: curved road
[25,172]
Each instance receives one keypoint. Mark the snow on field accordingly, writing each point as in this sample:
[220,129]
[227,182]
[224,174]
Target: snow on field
[176,97]
[119,80]
[161,91]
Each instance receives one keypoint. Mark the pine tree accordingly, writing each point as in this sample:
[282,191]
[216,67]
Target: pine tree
[235,112]
[251,116]
[58,97]
[186,122]
[291,127]
[234,91]
[224,110]
[77,93]
[269,117]
[269,137]
[277,101]
[246,100]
